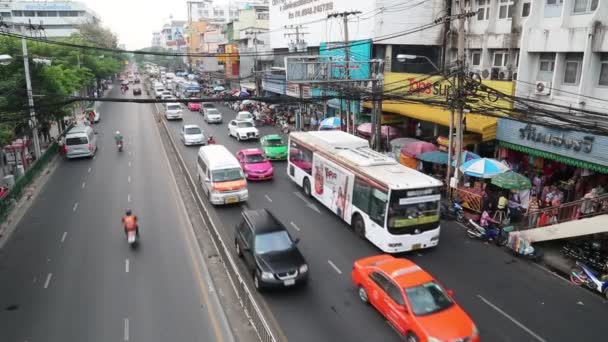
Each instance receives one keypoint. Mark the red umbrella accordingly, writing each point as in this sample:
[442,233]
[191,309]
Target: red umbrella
[417,147]
[365,129]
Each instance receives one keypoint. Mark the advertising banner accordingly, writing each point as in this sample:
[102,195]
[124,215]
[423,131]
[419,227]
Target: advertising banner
[332,186]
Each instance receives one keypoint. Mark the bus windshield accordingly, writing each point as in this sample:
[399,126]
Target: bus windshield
[412,212]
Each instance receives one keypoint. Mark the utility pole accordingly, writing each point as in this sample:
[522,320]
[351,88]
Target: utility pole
[344,16]
[377,87]
[30,96]
[256,71]
[299,44]
[461,91]
[297,33]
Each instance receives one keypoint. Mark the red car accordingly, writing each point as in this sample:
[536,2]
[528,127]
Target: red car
[194,106]
[411,300]
[254,164]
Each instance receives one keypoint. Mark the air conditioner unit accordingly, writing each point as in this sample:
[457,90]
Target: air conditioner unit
[485,74]
[514,76]
[542,88]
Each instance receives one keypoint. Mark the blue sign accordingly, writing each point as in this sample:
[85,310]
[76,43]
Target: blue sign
[360,53]
[569,143]
[274,84]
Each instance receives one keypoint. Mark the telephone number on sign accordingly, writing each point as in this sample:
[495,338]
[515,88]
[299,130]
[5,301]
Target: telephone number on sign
[312,10]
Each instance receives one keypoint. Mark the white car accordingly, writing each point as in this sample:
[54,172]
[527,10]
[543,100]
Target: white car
[192,135]
[212,115]
[158,92]
[173,111]
[165,95]
[245,116]
[243,130]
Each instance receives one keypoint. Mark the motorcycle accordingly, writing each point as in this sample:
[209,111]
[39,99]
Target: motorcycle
[453,212]
[581,275]
[490,234]
[132,238]
[119,145]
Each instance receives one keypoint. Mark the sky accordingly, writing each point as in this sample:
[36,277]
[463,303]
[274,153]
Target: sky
[135,20]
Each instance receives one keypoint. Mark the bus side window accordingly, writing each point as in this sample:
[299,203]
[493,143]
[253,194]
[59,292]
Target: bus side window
[377,209]
[361,195]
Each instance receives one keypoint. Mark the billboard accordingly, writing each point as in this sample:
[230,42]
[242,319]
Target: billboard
[332,186]
[360,53]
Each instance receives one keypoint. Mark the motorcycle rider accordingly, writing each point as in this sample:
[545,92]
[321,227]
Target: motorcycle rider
[210,140]
[118,138]
[129,222]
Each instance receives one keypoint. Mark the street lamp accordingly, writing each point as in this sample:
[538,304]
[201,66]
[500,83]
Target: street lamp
[402,58]
[6,59]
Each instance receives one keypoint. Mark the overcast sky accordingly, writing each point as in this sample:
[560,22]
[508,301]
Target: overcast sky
[135,20]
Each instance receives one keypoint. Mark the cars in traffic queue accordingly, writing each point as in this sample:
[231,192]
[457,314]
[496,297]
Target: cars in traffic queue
[274,147]
[158,91]
[173,111]
[254,164]
[414,303]
[245,116]
[166,95]
[137,80]
[136,91]
[206,105]
[212,115]
[192,135]
[80,141]
[221,175]
[194,106]
[242,130]
[270,254]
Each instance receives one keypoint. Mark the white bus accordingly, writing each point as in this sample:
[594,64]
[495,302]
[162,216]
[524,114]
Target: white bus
[391,205]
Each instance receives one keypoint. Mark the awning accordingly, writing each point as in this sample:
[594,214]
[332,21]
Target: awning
[248,85]
[475,123]
[562,159]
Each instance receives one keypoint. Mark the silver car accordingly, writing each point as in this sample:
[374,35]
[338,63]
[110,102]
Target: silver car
[212,115]
[192,135]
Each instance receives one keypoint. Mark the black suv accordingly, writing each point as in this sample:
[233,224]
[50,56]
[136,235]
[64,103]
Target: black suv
[270,254]
[136,91]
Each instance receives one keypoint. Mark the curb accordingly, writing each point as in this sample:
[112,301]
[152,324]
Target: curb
[20,208]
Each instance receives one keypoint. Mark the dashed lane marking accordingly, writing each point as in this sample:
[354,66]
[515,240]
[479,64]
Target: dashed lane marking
[84,184]
[334,266]
[89,171]
[294,226]
[75,206]
[516,322]
[126,265]
[126,329]
[48,280]
[64,236]
[129,179]
[268,198]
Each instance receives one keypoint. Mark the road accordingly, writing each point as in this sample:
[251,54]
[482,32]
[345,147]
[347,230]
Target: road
[67,273]
[509,298]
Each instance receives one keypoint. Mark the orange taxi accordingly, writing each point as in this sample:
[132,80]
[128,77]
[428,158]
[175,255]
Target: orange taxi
[412,301]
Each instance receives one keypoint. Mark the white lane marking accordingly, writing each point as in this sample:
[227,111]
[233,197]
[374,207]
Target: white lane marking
[129,179]
[308,203]
[63,236]
[89,171]
[294,226]
[129,152]
[268,198]
[83,184]
[129,198]
[334,266]
[127,265]
[126,329]
[523,327]
[48,280]
[75,206]
[129,164]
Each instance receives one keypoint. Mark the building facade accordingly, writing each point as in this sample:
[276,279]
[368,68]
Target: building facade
[155,39]
[58,18]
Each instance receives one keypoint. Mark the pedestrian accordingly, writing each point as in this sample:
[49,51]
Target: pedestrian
[533,209]
[501,208]
[313,122]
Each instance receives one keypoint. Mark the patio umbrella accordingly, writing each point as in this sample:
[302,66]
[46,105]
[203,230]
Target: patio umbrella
[435,157]
[243,94]
[483,168]
[330,123]
[246,102]
[511,180]
[219,88]
[365,129]
[466,156]
[418,147]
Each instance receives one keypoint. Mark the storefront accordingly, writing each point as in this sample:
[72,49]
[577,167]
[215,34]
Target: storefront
[273,84]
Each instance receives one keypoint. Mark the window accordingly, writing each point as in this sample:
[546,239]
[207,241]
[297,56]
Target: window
[572,68]
[221,13]
[272,242]
[525,10]
[555,2]
[505,9]
[380,279]
[370,200]
[603,69]
[227,175]
[501,59]
[300,157]
[76,141]
[29,13]
[483,9]
[361,195]
[547,62]
[584,6]
[377,208]
[201,164]
[17,14]
[427,299]
[476,58]
[393,291]
[5,14]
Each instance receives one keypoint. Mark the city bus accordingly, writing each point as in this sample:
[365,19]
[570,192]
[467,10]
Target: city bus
[394,207]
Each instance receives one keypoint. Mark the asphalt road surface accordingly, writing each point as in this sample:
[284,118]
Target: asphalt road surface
[67,273]
[510,299]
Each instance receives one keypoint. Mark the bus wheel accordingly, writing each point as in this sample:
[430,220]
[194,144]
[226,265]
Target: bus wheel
[359,226]
[306,186]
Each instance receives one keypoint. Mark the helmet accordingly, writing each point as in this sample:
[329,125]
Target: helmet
[117,132]
[129,212]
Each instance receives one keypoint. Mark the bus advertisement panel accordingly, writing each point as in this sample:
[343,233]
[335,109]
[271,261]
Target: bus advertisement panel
[333,186]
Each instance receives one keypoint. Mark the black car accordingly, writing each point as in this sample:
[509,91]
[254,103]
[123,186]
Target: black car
[269,252]
[137,81]
[136,91]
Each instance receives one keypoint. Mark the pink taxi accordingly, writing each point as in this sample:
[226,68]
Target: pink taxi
[254,164]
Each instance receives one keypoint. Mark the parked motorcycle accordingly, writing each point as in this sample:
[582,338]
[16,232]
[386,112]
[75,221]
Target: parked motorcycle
[581,275]
[490,234]
[453,212]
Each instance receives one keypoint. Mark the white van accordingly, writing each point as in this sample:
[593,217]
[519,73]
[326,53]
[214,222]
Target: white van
[220,175]
[158,90]
[80,141]
[173,111]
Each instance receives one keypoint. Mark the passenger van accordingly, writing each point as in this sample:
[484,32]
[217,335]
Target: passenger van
[220,175]
[80,141]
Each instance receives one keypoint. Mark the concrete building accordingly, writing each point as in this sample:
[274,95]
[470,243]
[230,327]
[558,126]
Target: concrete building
[218,11]
[58,18]
[564,54]
[156,39]
[193,32]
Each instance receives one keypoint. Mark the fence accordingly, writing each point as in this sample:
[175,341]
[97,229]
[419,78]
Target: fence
[566,212]
[247,301]
[24,181]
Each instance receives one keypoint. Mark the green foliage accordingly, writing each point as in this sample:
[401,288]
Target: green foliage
[72,70]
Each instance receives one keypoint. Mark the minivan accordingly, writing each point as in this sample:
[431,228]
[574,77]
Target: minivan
[80,141]
[220,175]
[173,110]
[158,91]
